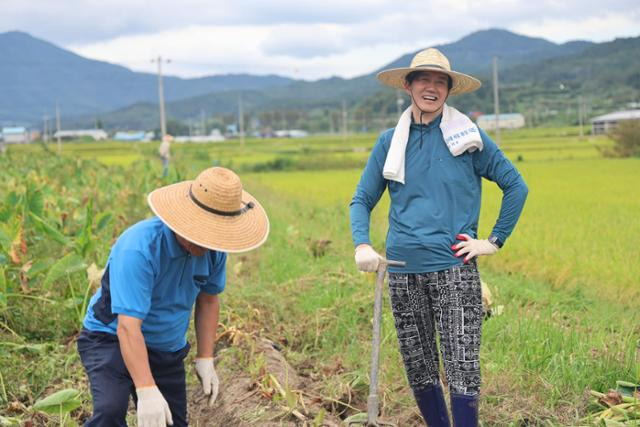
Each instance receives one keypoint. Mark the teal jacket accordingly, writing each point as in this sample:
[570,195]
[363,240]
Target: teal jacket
[440,198]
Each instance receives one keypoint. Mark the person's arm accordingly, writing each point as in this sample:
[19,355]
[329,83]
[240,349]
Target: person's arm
[206,321]
[368,192]
[492,164]
[152,408]
[134,350]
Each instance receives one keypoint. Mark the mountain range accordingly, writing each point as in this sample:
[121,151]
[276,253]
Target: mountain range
[535,74]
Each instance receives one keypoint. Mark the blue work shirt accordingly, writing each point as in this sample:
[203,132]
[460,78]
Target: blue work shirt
[440,198]
[151,277]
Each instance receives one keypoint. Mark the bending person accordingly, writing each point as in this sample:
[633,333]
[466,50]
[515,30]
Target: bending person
[133,340]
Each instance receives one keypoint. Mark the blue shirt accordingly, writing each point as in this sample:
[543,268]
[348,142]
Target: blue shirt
[151,277]
[440,198]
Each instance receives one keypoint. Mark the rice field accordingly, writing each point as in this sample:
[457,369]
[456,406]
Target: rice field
[567,280]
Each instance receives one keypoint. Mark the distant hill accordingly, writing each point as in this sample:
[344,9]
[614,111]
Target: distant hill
[538,78]
[35,74]
[473,53]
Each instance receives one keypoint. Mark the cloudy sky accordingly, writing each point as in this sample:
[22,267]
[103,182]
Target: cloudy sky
[298,38]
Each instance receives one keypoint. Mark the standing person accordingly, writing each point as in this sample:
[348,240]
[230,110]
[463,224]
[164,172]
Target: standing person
[432,164]
[133,338]
[165,153]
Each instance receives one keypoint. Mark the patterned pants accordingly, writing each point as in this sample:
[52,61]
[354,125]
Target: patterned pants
[449,302]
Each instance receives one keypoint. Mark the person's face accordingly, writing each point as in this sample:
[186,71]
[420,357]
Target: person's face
[428,91]
[190,247]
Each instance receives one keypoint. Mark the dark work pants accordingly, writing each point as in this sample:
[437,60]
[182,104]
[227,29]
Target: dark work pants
[111,384]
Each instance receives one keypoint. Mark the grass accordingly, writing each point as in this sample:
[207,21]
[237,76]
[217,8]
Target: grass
[567,278]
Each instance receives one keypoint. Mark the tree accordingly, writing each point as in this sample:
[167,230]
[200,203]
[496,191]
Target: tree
[626,136]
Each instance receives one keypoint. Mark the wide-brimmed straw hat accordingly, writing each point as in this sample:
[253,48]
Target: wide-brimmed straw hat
[213,211]
[430,60]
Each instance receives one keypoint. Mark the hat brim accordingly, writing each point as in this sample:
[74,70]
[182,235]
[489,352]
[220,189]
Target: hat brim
[462,83]
[241,233]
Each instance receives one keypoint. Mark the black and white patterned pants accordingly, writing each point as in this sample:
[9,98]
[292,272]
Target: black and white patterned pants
[449,302]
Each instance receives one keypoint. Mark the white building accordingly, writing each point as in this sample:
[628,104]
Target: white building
[15,135]
[291,133]
[505,121]
[605,123]
[214,136]
[95,134]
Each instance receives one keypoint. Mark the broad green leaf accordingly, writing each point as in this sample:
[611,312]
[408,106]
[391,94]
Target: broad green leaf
[35,201]
[68,264]
[49,230]
[39,266]
[3,281]
[9,421]
[63,401]
[5,240]
[102,220]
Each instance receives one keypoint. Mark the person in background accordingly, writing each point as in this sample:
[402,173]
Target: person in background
[133,340]
[432,163]
[165,153]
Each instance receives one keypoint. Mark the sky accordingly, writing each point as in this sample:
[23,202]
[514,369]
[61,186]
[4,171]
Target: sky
[298,38]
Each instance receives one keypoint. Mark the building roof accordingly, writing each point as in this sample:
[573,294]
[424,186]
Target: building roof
[618,115]
[502,116]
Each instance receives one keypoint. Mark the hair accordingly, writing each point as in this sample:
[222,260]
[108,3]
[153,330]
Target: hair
[409,78]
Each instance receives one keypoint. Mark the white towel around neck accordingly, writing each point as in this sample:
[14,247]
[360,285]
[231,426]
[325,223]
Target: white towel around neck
[459,133]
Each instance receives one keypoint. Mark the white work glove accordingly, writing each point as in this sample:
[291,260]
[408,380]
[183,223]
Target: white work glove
[208,377]
[473,247]
[367,259]
[153,410]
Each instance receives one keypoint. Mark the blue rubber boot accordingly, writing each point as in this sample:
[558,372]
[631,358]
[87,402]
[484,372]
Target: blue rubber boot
[432,406]
[464,409]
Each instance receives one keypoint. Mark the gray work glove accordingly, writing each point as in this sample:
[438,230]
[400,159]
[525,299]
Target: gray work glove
[208,377]
[153,410]
[366,258]
[473,247]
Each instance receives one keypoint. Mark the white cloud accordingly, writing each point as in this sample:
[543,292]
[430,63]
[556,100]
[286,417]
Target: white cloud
[301,38]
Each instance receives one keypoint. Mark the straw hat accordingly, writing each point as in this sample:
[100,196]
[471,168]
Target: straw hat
[430,60]
[213,211]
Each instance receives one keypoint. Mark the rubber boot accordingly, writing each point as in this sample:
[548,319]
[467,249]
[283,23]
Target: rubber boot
[464,409]
[432,406]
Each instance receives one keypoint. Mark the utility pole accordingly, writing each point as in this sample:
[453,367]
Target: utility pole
[580,113]
[204,129]
[496,101]
[58,128]
[45,128]
[241,120]
[163,120]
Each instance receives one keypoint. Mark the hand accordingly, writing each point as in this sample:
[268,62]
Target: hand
[152,410]
[473,247]
[208,377]
[366,258]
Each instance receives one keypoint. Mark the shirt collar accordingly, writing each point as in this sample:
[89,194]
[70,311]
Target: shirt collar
[435,122]
[173,247]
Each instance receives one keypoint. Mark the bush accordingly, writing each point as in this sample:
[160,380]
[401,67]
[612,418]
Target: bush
[626,136]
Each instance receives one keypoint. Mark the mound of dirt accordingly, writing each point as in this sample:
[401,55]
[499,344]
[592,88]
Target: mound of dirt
[243,401]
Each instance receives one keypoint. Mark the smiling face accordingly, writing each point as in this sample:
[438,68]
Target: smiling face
[190,247]
[428,91]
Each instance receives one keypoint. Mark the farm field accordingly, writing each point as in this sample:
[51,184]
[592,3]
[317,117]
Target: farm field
[566,282]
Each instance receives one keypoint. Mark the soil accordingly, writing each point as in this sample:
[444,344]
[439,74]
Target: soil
[242,402]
